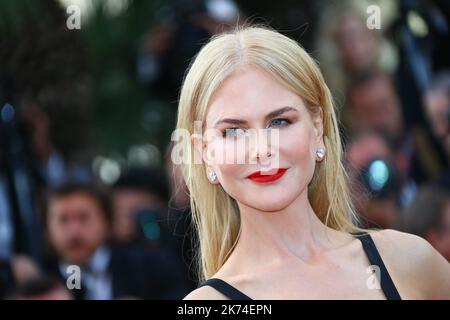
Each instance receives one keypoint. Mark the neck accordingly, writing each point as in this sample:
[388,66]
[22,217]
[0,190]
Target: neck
[294,232]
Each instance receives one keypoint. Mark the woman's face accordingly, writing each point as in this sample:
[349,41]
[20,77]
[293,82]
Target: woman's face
[281,156]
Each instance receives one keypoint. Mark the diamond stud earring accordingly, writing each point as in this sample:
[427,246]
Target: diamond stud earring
[212,176]
[320,153]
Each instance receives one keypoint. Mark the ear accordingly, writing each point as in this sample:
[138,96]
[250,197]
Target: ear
[318,126]
[200,146]
[197,142]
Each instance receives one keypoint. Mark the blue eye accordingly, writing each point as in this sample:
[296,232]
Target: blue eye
[279,122]
[233,132]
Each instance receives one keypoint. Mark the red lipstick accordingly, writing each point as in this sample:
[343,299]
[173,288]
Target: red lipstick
[265,178]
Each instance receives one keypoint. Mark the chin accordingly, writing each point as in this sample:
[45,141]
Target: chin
[270,202]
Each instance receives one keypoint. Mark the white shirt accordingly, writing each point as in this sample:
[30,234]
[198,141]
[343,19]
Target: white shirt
[96,276]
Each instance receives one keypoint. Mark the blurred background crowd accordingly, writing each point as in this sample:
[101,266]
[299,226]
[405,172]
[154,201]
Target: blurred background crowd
[86,117]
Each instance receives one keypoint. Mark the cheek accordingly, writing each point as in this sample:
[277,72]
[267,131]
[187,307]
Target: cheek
[297,147]
[96,228]
[56,231]
[229,158]
[229,172]
[297,150]
[227,151]
[232,179]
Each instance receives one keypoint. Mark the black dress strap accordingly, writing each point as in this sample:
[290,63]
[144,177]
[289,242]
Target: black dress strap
[388,286]
[225,289]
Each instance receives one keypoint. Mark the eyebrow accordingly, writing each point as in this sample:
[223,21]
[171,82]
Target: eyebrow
[270,115]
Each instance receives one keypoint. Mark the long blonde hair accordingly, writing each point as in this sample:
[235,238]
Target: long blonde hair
[215,214]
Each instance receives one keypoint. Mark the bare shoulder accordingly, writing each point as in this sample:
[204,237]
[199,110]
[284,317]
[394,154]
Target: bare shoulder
[205,293]
[414,263]
[390,241]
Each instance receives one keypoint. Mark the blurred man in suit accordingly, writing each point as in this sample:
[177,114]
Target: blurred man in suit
[78,229]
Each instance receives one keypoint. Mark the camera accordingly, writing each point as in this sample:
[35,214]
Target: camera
[148,223]
[380,178]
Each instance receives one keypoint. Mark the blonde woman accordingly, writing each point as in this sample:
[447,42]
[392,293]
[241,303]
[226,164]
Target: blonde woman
[280,225]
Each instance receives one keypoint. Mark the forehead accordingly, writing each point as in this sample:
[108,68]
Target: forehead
[250,93]
[348,23]
[374,87]
[72,201]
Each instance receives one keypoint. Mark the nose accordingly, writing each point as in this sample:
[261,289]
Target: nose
[261,147]
[73,228]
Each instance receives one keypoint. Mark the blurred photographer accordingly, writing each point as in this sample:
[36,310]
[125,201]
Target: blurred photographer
[140,198]
[141,215]
[429,217]
[437,109]
[374,180]
[78,230]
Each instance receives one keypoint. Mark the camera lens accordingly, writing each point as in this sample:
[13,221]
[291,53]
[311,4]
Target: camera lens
[379,178]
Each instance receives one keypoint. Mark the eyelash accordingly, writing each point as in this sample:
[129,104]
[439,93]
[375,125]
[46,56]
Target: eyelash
[287,122]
